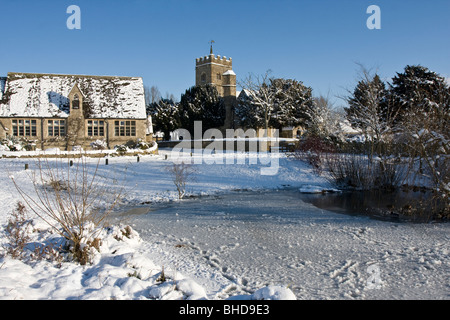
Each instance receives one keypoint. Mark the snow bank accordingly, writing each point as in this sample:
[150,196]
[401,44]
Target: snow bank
[310,188]
[120,271]
[5,151]
[273,293]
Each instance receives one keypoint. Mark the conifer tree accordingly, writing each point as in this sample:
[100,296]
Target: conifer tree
[291,102]
[165,116]
[201,103]
[416,89]
[423,100]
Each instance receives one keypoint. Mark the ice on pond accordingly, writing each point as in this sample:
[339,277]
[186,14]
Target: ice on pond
[273,238]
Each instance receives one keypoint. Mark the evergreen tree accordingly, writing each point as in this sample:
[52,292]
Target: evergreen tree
[165,116]
[246,111]
[423,100]
[291,102]
[416,89]
[201,103]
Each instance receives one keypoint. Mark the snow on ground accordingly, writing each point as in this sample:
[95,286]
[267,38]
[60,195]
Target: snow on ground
[333,253]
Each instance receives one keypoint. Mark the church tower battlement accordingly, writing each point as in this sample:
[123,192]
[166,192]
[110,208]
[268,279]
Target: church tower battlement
[213,58]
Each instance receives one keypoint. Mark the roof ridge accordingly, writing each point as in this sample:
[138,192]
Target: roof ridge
[69,75]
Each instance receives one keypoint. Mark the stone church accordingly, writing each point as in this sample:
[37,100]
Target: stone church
[66,111]
[218,71]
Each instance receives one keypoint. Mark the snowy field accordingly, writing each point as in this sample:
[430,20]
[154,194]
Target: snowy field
[318,255]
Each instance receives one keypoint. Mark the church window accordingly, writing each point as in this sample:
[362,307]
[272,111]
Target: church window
[125,128]
[76,102]
[24,128]
[96,128]
[219,76]
[56,128]
[203,78]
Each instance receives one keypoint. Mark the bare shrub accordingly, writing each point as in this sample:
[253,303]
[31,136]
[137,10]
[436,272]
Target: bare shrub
[313,150]
[362,173]
[74,201]
[18,231]
[49,252]
[181,174]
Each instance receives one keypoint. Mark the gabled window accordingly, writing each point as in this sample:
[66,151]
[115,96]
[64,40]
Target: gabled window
[76,102]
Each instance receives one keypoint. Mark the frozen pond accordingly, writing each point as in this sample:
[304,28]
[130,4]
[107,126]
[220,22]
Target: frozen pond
[255,238]
[395,206]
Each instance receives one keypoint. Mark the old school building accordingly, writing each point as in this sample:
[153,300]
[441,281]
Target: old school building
[72,110]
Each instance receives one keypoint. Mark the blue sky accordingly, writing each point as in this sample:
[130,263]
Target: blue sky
[316,42]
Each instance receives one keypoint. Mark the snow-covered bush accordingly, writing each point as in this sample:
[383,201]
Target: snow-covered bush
[143,145]
[99,145]
[121,149]
[12,143]
[133,145]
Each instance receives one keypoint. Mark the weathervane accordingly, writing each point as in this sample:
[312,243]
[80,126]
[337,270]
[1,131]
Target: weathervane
[211,43]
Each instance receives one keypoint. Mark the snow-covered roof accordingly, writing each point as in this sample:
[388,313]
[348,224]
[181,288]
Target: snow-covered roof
[46,95]
[246,93]
[229,72]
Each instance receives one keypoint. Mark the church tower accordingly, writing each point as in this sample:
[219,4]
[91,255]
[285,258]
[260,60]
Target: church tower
[218,71]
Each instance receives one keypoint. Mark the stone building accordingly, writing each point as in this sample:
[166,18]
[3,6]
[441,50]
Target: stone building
[218,71]
[65,111]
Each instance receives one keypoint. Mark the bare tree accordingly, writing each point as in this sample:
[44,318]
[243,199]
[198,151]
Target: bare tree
[370,109]
[170,96]
[155,94]
[262,95]
[323,120]
[152,95]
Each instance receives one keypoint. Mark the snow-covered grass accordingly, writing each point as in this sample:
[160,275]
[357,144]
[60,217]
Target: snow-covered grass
[130,265]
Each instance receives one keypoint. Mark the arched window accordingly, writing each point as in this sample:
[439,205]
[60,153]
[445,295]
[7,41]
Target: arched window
[76,102]
[203,78]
